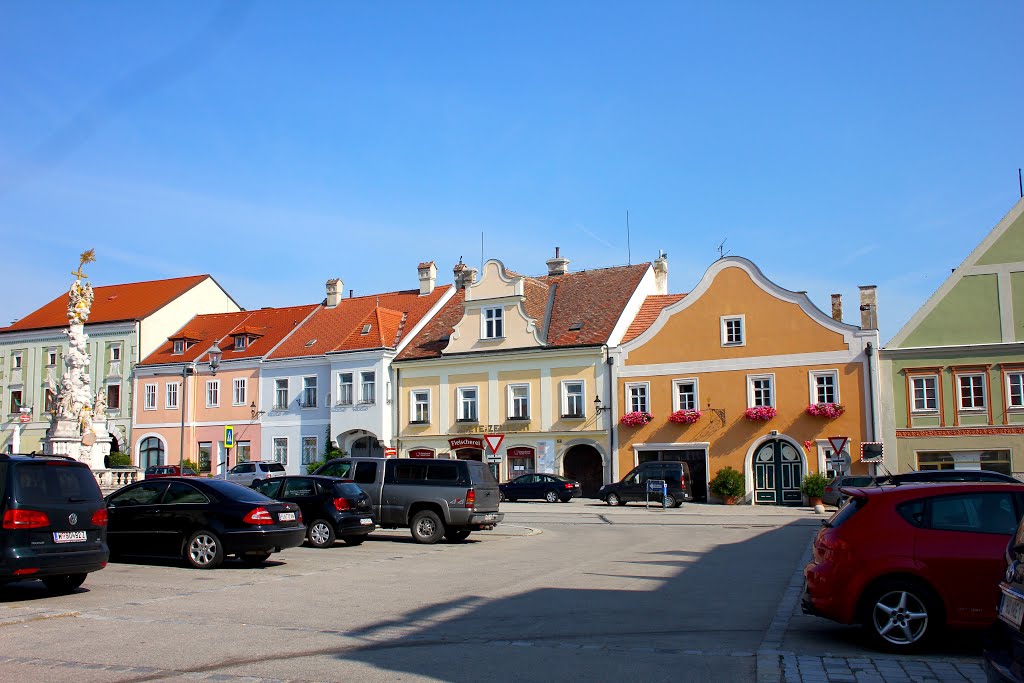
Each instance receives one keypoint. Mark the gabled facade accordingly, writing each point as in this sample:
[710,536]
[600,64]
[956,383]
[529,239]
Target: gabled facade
[508,371]
[752,358]
[954,374]
[126,324]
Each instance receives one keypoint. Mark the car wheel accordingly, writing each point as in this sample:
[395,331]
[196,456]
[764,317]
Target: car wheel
[613,499]
[670,501]
[320,534]
[252,484]
[900,615]
[203,550]
[426,527]
[353,540]
[254,559]
[551,496]
[456,535]
[64,583]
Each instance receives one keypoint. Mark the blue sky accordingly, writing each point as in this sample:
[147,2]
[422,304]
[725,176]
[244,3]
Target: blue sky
[276,145]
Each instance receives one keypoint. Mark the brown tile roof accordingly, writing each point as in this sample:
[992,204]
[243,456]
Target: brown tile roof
[389,315]
[595,298]
[111,303]
[648,313]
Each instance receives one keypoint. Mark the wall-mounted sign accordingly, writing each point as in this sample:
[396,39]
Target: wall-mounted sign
[521,452]
[466,442]
[421,453]
[390,452]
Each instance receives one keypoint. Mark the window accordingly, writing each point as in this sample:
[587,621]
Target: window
[345,388]
[171,395]
[368,388]
[925,391]
[309,392]
[825,387]
[239,387]
[144,494]
[986,513]
[280,452]
[15,400]
[243,451]
[309,449]
[151,452]
[180,493]
[241,341]
[113,397]
[16,361]
[519,401]
[205,456]
[493,323]
[50,401]
[51,358]
[366,473]
[732,330]
[179,346]
[993,461]
[212,393]
[420,410]
[972,391]
[760,391]
[1015,390]
[280,394]
[686,394]
[467,404]
[636,397]
[149,401]
[115,352]
[572,399]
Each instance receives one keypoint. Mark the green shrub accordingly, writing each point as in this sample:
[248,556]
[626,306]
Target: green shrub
[813,485]
[118,459]
[728,483]
[314,466]
[190,464]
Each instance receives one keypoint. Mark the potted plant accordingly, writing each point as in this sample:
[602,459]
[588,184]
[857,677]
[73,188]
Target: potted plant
[827,410]
[760,413]
[729,485]
[813,486]
[635,419]
[685,416]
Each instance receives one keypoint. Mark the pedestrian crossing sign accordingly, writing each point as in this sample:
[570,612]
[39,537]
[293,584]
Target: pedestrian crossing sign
[229,436]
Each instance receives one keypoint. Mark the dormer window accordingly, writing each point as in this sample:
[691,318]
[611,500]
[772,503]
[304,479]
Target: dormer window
[366,329]
[241,342]
[179,346]
[493,323]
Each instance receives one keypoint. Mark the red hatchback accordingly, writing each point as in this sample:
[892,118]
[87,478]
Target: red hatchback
[906,561]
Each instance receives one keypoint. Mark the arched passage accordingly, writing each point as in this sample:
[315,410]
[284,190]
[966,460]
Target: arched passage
[775,471]
[584,464]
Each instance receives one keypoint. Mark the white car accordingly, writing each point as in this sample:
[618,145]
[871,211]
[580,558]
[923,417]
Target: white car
[248,473]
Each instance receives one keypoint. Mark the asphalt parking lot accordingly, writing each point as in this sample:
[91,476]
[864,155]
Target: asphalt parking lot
[576,591]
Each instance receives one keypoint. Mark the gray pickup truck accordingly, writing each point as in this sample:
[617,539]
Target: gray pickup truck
[433,498]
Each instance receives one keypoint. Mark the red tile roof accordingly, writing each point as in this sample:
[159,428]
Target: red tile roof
[648,313]
[111,303]
[595,298]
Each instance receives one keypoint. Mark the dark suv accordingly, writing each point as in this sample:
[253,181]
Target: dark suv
[54,521]
[633,487]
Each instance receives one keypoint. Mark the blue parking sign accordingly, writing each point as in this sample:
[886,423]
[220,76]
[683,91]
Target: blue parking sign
[229,436]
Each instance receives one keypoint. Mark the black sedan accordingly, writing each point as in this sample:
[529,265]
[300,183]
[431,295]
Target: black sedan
[333,507]
[549,487]
[201,520]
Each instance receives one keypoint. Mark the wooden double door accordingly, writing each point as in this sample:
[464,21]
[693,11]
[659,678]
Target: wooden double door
[778,472]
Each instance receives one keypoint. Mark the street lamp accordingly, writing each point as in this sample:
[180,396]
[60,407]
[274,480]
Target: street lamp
[256,413]
[215,354]
[598,408]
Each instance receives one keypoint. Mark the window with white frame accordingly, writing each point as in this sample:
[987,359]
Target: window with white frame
[925,393]
[149,397]
[468,402]
[241,341]
[240,387]
[573,400]
[113,397]
[972,391]
[760,391]
[733,333]
[519,401]
[212,393]
[115,352]
[51,357]
[171,395]
[309,392]
[420,409]
[493,322]
[345,388]
[16,361]
[636,395]
[280,450]
[281,394]
[16,400]
[309,449]
[179,346]
[825,386]
[1015,390]
[685,394]
[368,387]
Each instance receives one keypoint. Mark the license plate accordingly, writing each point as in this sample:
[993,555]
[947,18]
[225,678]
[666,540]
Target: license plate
[286,517]
[69,536]
[366,522]
[1011,610]
[488,518]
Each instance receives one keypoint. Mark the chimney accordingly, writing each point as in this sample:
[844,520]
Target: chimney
[428,277]
[464,275]
[558,265]
[868,307]
[661,273]
[334,289]
[837,307]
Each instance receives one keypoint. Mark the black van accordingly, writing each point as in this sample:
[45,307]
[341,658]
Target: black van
[633,487]
[54,521]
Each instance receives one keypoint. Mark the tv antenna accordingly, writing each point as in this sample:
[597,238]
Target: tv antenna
[721,248]
[629,253]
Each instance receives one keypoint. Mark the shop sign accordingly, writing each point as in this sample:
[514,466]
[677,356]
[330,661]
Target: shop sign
[466,442]
[390,452]
[521,452]
[421,453]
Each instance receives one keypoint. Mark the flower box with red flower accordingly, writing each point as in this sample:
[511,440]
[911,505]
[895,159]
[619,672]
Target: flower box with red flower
[685,416]
[826,410]
[635,419]
[760,413]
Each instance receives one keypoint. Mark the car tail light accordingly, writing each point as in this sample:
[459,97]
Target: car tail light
[471,498]
[831,547]
[99,518]
[25,519]
[828,489]
[26,571]
[568,486]
[258,516]
[342,504]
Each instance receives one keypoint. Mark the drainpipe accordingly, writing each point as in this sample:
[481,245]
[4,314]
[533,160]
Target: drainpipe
[869,350]
[612,456]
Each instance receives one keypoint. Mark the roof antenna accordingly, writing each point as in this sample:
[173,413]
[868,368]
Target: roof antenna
[481,251]
[629,253]
[1020,183]
[721,248]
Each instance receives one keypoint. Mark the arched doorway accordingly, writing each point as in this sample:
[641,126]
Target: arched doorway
[778,471]
[583,463]
[367,447]
[151,452]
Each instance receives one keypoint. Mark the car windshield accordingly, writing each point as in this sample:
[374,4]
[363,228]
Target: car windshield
[558,477]
[234,491]
[53,482]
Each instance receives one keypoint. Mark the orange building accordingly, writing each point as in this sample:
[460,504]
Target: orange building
[742,372]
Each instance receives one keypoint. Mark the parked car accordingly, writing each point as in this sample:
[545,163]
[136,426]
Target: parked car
[935,564]
[933,476]
[157,471]
[832,496]
[633,487]
[549,487]
[433,498]
[200,520]
[332,507]
[1003,657]
[249,473]
[54,524]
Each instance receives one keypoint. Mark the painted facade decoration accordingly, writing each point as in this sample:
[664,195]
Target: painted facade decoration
[743,373]
[954,374]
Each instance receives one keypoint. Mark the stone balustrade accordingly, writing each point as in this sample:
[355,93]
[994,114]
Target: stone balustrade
[111,480]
